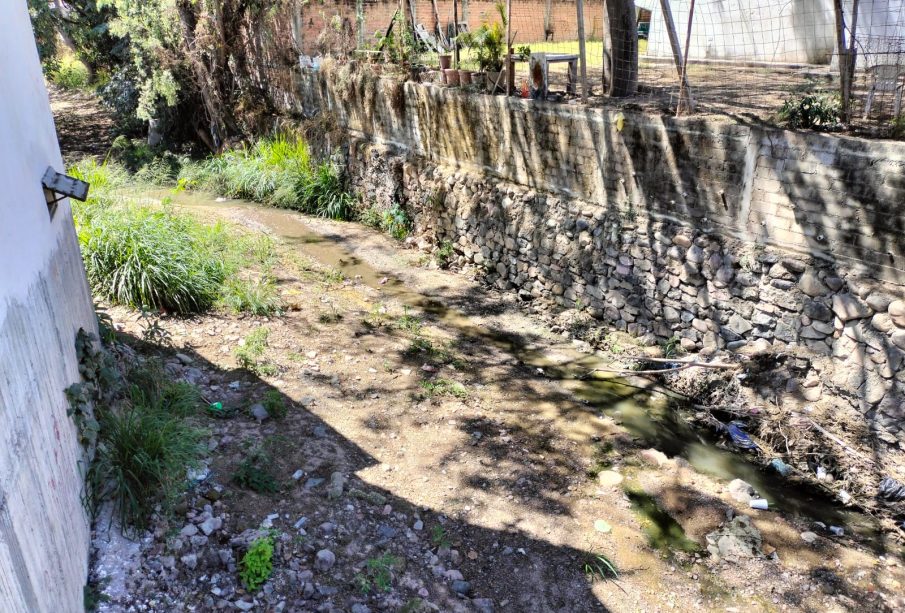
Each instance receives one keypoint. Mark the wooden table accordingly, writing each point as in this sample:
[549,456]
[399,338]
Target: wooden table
[550,58]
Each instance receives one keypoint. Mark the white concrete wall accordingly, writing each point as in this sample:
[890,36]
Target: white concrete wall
[44,299]
[784,31]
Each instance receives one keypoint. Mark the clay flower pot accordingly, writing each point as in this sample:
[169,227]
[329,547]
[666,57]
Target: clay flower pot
[464,77]
[452,77]
[445,61]
[479,79]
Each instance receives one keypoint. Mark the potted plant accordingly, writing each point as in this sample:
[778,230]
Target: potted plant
[490,46]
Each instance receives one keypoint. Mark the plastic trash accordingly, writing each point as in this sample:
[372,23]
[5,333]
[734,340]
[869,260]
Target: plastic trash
[215,407]
[844,497]
[836,530]
[821,473]
[759,503]
[736,432]
[892,490]
[781,467]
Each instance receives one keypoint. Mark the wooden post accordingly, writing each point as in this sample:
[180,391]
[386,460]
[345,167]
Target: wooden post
[455,33]
[583,63]
[510,73]
[847,57]
[677,58]
[684,82]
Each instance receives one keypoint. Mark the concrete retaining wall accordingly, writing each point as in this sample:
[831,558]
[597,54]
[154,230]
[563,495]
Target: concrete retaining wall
[44,300]
[725,235]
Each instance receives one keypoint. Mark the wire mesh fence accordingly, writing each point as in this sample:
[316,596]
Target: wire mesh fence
[804,63]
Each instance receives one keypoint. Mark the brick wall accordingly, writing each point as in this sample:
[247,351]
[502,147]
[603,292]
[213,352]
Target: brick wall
[527,18]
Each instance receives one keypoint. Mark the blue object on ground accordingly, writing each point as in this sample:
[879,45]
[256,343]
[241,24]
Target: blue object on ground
[781,467]
[739,437]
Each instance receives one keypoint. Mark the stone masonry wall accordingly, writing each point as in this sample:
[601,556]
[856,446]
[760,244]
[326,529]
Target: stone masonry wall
[725,235]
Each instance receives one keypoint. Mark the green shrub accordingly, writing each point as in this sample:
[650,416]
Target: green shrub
[142,456]
[250,353]
[822,111]
[277,171]
[254,473]
[71,73]
[257,564]
[396,222]
[153,258]
[275,405]
[444,254]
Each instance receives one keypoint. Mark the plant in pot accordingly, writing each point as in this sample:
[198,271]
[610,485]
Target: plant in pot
[465,41]
[490,47]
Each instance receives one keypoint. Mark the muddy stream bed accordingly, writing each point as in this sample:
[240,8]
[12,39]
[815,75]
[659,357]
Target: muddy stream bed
[672,489]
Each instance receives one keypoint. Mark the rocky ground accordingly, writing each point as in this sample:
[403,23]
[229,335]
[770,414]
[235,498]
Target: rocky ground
[440,452]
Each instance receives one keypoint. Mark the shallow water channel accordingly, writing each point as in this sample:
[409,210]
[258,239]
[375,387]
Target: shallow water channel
[647,410]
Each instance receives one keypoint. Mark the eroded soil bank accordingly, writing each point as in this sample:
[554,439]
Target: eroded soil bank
[432,420]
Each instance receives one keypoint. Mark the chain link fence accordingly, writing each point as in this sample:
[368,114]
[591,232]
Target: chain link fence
[829,64]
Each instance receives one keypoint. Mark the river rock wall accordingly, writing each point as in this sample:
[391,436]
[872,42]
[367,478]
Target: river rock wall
[720,235]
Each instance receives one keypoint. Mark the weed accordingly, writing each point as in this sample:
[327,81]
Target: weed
[408,322]
[93,594]
[396,222]
[381,571]
[377,317]
[145,257]
[331,317]
[142,456]
[439,537]
[254,473]
[254,296]
[444,387]
[444,254]
[671,347]
[599,567]
[249,354]
[436,353]
[257,564]
[378,574]
[274,403]
[151,330]
[277,171]
[818,111]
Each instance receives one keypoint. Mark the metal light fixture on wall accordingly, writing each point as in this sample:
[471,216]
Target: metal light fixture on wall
[58,186]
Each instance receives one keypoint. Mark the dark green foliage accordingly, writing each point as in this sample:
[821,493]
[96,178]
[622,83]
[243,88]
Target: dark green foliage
[257,564]
[277,171]
[378,574]
[818,111]
[142,456]
[275,404]
[157,259]
[254,473]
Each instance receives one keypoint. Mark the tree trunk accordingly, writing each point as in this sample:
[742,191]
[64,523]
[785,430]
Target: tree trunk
[620,48]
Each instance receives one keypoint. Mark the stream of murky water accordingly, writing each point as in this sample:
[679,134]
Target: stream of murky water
[645,409]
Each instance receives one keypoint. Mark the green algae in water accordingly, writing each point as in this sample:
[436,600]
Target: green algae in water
[662,531]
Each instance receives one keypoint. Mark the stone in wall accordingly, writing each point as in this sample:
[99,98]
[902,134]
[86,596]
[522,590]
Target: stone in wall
[650,276]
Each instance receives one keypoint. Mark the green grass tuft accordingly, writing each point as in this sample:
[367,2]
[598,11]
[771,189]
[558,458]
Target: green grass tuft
[277,171]
[142,455]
